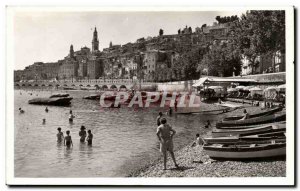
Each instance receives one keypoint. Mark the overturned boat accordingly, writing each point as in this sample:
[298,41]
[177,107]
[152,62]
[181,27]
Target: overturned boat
[245,151]
[58,101]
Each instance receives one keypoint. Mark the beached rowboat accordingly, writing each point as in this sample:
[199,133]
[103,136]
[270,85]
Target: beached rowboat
[247,151]
[253,121]
[267,112]
[249,131]
[252,139]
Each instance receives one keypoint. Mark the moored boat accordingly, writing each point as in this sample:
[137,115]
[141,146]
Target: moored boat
[58,101]
[92,97]
[247,151]
[59,95]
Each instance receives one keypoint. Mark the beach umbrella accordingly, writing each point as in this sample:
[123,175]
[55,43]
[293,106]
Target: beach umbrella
[247,87]
[272,88]
[255,89]
[215,87]
[281,87]
[240,87]
[232,90]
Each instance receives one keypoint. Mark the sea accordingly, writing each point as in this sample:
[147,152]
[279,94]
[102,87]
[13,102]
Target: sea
[124,138]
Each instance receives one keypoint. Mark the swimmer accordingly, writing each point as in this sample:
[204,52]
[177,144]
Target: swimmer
[82,134]
[89,138]
[60,135]
[46,109]
[21,110]
[68,140]
[44,121]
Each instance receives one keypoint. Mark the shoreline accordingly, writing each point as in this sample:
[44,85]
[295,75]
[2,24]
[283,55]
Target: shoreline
[193,162]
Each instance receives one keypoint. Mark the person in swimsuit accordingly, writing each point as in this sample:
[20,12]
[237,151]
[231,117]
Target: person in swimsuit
[21,110]
[158,118]
[71,117]
[44,121]
[46,110]
[89,138]
[68,140]
[82,134]
[60,135]
[165,135]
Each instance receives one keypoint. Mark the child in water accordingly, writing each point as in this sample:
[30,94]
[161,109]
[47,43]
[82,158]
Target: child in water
[68,140]
[89,138]
[60,135]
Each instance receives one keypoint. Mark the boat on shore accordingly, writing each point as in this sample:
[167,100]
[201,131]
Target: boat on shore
[253,121]
[58,101]
[249,131]
[250,126]
[252,139]
[264,113]
[59,95]
[245,151]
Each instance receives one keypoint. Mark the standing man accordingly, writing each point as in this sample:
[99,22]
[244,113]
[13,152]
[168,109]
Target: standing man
[165,135]
[159,118]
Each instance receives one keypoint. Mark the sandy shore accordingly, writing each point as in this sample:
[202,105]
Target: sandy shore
[194,162]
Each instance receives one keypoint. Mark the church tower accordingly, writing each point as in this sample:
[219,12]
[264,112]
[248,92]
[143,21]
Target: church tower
[71,51]
[95,42]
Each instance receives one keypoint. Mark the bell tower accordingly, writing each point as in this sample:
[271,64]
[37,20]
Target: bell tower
[71,51]
[95,42]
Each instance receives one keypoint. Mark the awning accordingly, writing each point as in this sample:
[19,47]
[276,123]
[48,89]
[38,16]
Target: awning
[201,81]
[215,87]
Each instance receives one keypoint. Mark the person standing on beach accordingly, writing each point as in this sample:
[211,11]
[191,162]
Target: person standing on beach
[82,134]
[165,135]
[159,118]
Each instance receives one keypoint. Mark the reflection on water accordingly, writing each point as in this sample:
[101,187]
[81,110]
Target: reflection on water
[124,139]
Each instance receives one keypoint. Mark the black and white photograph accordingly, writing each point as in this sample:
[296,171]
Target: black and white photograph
[150,96]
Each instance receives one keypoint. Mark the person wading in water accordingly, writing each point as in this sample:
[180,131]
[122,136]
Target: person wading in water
[82,134]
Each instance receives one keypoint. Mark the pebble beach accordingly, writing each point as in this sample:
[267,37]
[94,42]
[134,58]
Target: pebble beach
[193,162]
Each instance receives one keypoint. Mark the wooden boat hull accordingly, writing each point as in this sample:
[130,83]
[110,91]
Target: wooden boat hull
[250,131]
[268,112]
[253,121]
[61,101]
[247,152]
[241,140]
[250,126]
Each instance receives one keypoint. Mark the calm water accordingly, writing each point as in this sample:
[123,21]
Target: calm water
[124,139]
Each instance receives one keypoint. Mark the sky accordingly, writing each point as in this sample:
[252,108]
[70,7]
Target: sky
[47,36]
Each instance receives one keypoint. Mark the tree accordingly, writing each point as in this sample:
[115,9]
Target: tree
[221,60]
[261,32]
[179,31]
[204,25]
[161,32]
[190,30]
